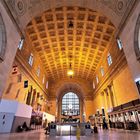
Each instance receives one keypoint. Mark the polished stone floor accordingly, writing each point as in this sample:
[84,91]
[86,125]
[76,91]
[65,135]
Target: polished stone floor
[102,135]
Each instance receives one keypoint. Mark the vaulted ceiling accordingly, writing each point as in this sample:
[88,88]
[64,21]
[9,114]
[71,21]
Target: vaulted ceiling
[70,35]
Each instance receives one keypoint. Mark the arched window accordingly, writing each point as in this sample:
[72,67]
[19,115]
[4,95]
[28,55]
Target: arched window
[119,42]
[109,59]
[31,59]
[97,79]
[20,45]
[102,71]
[38,71]
[70,104]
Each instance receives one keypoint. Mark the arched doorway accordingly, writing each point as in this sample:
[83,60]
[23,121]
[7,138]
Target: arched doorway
[70,107]
[70,104]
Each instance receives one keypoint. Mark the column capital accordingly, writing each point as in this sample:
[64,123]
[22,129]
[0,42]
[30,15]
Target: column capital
[102,93]
[109,86]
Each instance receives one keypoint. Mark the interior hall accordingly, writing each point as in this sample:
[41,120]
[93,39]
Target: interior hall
[70,69]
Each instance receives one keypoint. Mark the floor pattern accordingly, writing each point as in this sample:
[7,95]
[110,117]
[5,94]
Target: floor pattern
[102,135]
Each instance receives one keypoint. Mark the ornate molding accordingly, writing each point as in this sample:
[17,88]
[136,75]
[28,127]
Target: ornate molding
[22,64]
[111,73]
[118,6]
[18,6]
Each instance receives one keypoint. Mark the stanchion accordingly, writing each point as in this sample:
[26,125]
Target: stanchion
[78,132]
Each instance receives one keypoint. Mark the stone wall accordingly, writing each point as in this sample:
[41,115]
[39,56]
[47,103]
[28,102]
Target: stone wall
[127,37]
[12,41]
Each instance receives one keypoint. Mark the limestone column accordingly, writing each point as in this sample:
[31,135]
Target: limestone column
[106,99]
[111,97]
[32,97]
[103,101]
[33,101]
[112,92]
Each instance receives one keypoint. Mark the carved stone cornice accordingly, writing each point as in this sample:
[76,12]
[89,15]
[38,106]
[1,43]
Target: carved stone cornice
[130,9]
[105,90]
[109,87]
[111,73]
[25,68]
[102,93]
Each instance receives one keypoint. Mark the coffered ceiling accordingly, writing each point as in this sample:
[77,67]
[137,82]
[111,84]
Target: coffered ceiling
[70,35]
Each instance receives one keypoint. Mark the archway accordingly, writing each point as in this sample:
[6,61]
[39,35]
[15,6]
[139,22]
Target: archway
[24,8]
[70,103]
[70,107]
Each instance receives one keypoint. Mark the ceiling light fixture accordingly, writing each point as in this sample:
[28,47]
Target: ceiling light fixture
[70,72]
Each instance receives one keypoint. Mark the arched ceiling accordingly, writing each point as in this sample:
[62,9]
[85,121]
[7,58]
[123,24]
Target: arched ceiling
[24,10]
[60,45]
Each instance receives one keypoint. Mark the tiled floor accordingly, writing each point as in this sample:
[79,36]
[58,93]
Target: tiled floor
[102,135]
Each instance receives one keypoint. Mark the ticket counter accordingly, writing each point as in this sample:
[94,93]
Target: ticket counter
[126,116]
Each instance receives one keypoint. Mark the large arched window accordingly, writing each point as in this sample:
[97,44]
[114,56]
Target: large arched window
[70,104]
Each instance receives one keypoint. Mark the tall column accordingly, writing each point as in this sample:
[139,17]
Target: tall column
[33,98]
[84,111]
[11,36]
[112,92]
[111,97]
[103,101]
[107,99]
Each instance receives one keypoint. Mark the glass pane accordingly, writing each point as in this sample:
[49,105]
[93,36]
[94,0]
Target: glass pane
[70,104]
